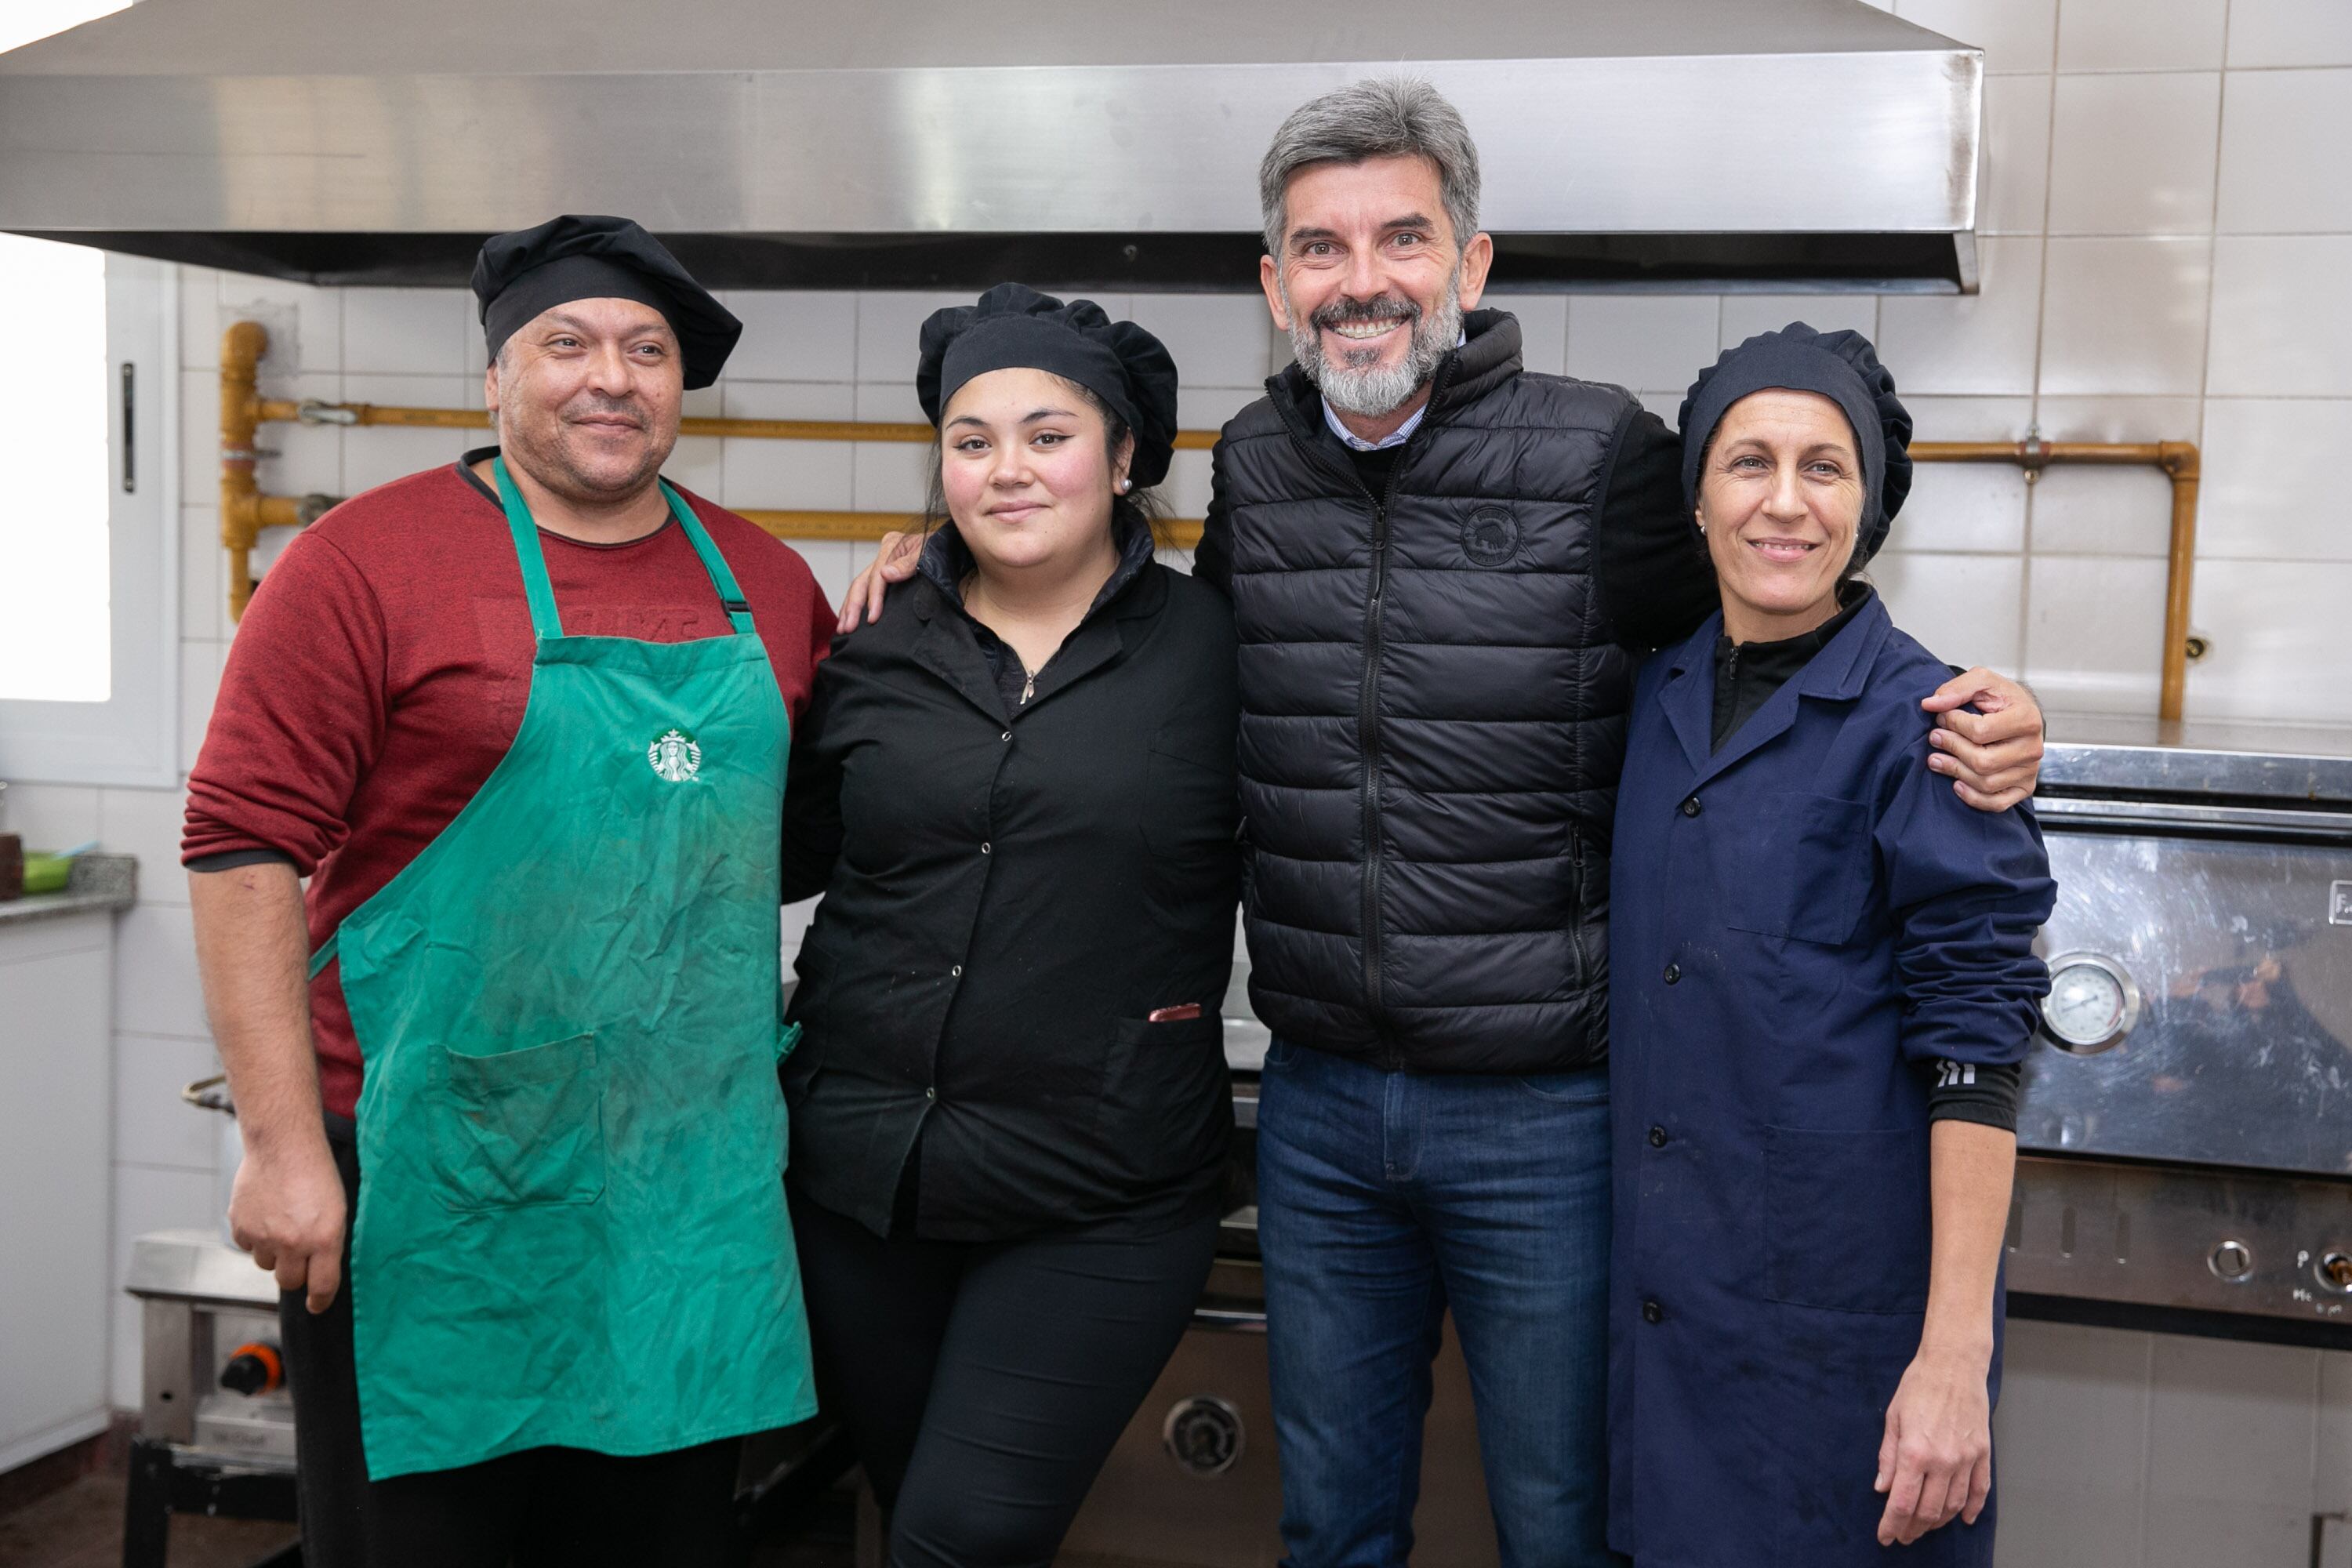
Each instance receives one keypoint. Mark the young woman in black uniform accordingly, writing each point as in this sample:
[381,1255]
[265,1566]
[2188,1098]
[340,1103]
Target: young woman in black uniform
[1017,792]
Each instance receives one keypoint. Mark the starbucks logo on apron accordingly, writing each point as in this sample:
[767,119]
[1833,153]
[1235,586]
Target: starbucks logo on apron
[675,755]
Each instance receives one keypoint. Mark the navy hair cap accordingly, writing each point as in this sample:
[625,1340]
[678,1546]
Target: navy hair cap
[1839,366]
[588,257]
[1013,327]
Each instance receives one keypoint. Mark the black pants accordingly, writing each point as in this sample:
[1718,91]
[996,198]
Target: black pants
[544,1506]
[985,1384]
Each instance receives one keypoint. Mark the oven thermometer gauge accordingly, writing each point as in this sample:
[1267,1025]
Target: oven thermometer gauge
[2091,1006]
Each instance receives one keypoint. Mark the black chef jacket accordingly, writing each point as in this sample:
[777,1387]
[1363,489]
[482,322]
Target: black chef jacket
[1009,893]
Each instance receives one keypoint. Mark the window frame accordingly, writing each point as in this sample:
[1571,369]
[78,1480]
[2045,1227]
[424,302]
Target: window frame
[134,737]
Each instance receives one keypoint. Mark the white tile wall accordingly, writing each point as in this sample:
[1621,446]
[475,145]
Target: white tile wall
[50,817]
[795,337]
[2228,1481]
[2282,316]
[2069,1442]
[412,332]
[2278,129]
[2271,468]
[2290,33]
[1964,609]
[888,325]
[306,324]
[1746,315]
[2093,627]
[2015,35]
[812,476]
[2134,153]
[1979,343]
[1970,507]
[2105,130]
[2148,35]
[2277,630]
[1642,341]
[2014,174]
[1220,339]
[2124,315]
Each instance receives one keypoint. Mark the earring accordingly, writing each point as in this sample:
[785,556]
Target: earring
[1124,486]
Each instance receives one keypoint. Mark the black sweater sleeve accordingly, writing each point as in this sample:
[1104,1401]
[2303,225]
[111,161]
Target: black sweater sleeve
[1656,582]
[1985,1093]
[812,796]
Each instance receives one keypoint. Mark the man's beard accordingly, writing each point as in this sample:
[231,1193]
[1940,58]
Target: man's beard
[1367,387]
[542,444]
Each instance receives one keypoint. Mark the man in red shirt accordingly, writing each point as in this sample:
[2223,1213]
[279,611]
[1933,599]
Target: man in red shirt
[489,639]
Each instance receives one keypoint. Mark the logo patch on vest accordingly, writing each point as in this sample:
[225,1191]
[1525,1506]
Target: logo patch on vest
[1491,536]
[675,755]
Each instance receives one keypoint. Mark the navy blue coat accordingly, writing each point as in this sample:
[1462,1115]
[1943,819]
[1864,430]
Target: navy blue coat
[1802,922]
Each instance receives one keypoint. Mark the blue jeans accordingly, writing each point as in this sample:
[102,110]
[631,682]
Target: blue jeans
[1384,1199]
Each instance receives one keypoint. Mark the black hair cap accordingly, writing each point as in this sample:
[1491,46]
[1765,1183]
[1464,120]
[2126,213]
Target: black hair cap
[588,256]
[1841,367]
[1014,327]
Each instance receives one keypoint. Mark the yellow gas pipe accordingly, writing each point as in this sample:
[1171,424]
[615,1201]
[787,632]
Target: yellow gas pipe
[245,512]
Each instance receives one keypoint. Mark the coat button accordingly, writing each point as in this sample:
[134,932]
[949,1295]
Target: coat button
[1657,1137]
[1673,972]
[931,1094]
[1690,807]
[957,973]
[983,848]
[1652,1313]
[1006,736]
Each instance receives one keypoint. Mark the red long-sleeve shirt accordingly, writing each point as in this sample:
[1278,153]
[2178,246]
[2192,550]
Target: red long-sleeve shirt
[382,671]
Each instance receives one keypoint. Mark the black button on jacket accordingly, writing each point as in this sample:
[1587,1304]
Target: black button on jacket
[1042,1095]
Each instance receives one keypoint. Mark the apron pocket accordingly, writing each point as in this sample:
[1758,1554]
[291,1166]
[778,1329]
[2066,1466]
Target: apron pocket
[521,1127]
[1846,1218]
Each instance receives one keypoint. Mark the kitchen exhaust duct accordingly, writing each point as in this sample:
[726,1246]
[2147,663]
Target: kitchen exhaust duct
[1777,145]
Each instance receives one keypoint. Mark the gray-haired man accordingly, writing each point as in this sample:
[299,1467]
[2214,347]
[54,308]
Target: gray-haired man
[1440,564]
[1438,561]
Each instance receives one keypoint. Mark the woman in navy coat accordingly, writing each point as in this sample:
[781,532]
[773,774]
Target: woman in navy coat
[1823,978]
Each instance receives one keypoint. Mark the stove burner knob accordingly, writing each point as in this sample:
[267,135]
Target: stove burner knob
[2231,1261]
[1204,1436]
[254,1368]
[2335,1271]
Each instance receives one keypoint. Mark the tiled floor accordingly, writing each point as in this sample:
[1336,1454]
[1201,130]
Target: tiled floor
[81,1527]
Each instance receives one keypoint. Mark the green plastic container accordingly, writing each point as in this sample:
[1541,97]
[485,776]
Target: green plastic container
[47,873]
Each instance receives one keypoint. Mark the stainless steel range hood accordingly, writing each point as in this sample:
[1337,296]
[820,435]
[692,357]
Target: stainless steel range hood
[1766,143]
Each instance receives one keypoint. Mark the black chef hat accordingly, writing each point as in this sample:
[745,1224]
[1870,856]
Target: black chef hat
[586,256]
[1014,327]
[1839,366]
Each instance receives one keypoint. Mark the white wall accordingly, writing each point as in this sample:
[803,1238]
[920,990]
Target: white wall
[2167,209]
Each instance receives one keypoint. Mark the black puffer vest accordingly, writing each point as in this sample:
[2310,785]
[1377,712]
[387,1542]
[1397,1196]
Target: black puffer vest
[1432,718]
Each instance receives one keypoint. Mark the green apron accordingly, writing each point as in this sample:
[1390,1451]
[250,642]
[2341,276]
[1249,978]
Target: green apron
[571,1226]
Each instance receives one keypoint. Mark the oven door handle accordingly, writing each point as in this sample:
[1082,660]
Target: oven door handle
[2178,815]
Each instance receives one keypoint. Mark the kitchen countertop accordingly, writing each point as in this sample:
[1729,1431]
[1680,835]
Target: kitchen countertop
[98,882]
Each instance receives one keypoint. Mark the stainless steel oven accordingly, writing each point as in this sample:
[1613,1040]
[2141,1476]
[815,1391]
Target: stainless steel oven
[2186,1132]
